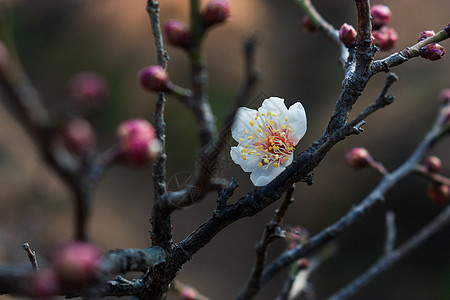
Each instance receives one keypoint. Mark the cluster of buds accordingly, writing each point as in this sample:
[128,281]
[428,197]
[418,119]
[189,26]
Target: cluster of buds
[178,33]
[74,265]
[78,136]
[88,90]
[432,51]
[137,142]
[358,158]
[383,36]
[347,35]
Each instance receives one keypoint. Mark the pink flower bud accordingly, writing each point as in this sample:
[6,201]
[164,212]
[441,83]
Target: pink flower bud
[425,34]
[432,51]
[308,25]
[188,293]
[438,193]
[78,136]
[347,35]
[433,164]
[76,263]
[137,142]
[444,97]
[155,78]
[177,33]
[381,15]
[385,38]
[358,158]
[217,11]
[45,283]
[88,90]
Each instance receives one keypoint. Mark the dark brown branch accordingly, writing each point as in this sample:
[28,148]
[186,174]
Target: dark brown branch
[359,210]
[391,257]
[272,231]
[208,155]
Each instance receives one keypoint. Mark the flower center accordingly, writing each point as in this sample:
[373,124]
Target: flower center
[269,138]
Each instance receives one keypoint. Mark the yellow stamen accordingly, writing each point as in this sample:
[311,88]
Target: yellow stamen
[260,164]
[275,164]
[241,139]
[286,119]
[251,123]
[266,161]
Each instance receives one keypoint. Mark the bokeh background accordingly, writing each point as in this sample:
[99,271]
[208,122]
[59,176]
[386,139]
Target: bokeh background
[56,39]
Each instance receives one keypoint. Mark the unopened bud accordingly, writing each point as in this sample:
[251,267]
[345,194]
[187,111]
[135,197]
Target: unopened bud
[347,35]
[78,136]
[425,34]
[177,33]
[137,142]
[76,263]
[385,38]
[217,11]
[88,90]
[45,283]
[432,51]
[381,15]
[188,293]
[308,25]
[155,78]
[358,158]
[438,193]
[433,164]
[444,97]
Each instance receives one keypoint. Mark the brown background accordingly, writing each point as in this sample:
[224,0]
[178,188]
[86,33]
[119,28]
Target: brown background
[59,38]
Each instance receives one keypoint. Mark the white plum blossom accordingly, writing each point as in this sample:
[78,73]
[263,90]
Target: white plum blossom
[267,138]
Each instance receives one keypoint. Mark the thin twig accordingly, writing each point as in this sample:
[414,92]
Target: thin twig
[31,256]
[271,232]
[391,257]
[359,210]
[391,232]
[421,170]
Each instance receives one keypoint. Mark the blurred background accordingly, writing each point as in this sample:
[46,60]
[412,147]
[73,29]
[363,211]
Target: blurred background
[56,39]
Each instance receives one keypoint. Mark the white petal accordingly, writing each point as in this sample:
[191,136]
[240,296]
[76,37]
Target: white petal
[274,105]
[261,177]
[249,164]
[242,122]
[297,121]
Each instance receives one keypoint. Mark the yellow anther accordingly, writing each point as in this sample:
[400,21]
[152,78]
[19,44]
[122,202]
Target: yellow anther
[266,161]
[272,123]
[246,146]
[258,154]
[251,123]
[283,133]
[265,140]
[290,129]
[246,131]
[277,156]
[250,137]
[274,115]
[268,113]
[286,158]
[286,119]
[267,150]
[270,148]
[283,127]
[260,164]
[258,130]
[275,164]
[241,139]
[243,157]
